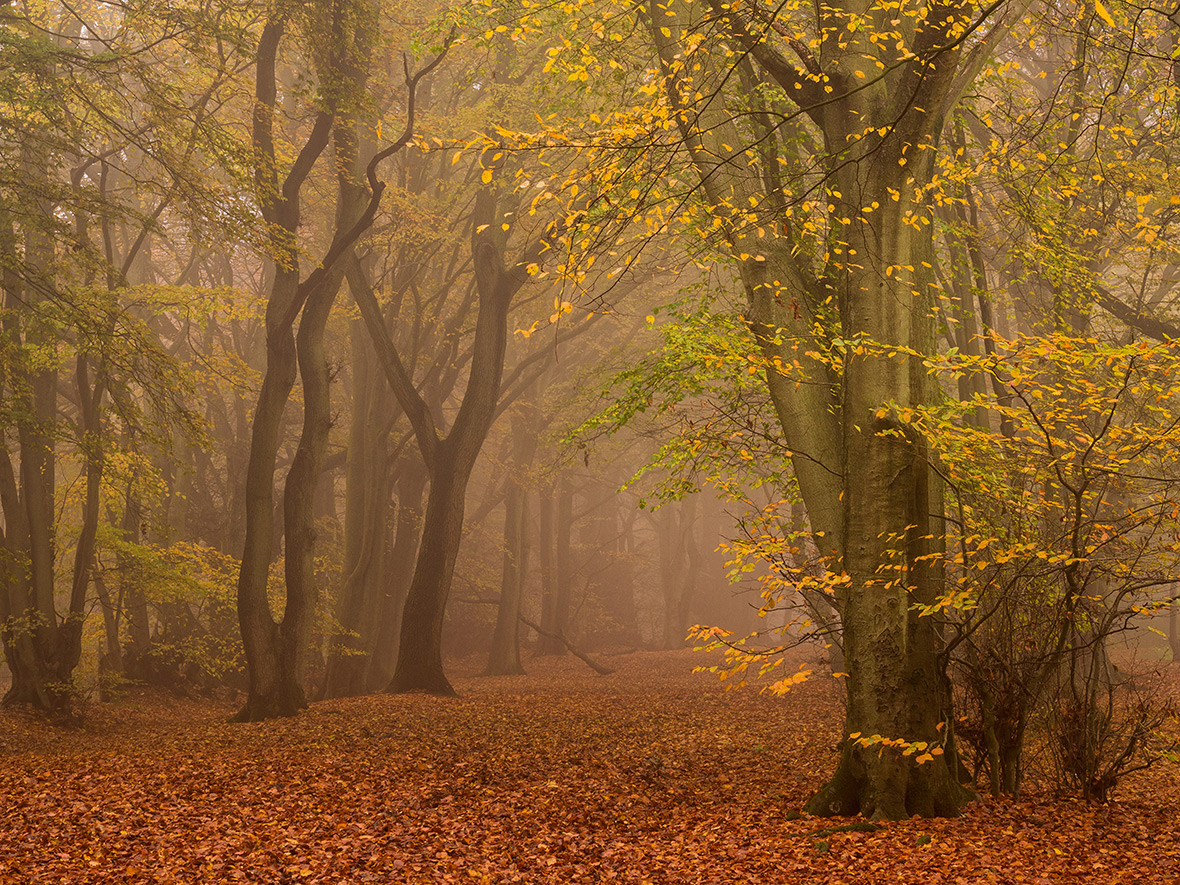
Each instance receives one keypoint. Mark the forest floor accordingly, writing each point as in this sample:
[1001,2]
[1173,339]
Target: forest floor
[652,774]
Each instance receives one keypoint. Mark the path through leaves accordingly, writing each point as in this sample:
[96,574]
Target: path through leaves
[652,774]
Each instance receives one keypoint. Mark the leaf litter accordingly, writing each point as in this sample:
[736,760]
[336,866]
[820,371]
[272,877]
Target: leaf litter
[654,774]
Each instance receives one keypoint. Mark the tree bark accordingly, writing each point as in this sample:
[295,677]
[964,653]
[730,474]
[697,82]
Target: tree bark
[367,504]
[273,653]
[504,659]
[557,519]
[411,486]
[873,503]
[679,563]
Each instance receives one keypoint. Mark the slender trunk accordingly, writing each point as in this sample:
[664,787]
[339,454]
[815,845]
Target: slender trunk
[692,575]
[564,562]
[113,652]
[392,593]
[1174,631]
[672,558]
[90,397]
[505,654]
[547,644]
[139,635]
[504,659]
[366,508]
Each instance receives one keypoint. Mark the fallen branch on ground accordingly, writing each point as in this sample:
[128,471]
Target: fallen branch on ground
[560,637]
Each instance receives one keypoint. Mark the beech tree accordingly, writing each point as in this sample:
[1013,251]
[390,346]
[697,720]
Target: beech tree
[820,176]
[275,649]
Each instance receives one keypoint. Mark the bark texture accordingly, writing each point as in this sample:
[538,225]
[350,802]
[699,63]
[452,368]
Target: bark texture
[873,503]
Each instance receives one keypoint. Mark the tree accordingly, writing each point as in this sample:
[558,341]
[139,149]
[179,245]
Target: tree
[75,227]
[820,175]
[275,649]
[449,459]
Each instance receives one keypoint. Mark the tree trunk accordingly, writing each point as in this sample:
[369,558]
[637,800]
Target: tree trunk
[272,658]
[366,510]
[505,654]
[392,593]
[1174,631]
[564,561]
[674,535]
[504,659]
[419,659]
[873,503]
[38,647]
[448,460]
[892,508]
[547,644]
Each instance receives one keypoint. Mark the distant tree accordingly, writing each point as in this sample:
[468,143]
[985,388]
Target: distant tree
[84,136]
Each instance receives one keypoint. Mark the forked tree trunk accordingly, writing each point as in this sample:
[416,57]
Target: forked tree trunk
[275,648]
[449,460]
[40,648]
[872,501]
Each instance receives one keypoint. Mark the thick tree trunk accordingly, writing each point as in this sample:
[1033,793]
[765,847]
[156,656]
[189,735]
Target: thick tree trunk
[872,501]
[419,659]
[892,525]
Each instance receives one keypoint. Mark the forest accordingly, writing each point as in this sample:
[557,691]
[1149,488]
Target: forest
[639,440]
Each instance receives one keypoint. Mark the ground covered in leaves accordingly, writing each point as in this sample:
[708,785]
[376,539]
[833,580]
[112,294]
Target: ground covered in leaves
[652,774]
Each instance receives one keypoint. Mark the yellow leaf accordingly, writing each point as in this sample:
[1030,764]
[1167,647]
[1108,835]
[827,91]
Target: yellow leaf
[487,176]
[1102,13]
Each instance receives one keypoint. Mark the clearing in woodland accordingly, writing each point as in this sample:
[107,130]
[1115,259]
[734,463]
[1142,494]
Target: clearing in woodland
[651,774]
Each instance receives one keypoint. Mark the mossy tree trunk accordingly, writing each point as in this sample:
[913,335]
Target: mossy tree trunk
[872,121]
